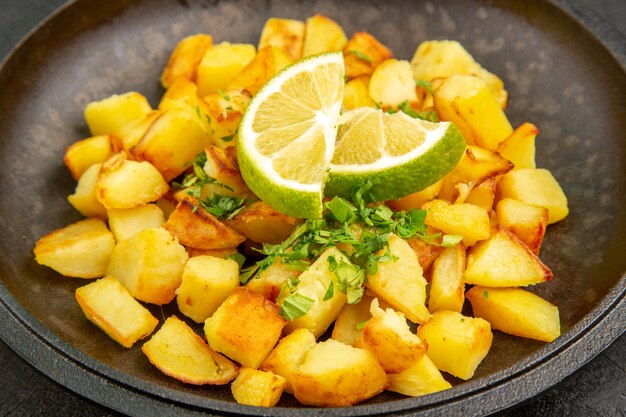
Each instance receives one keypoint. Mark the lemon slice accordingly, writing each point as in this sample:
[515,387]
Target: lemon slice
[400,155]
[287,134]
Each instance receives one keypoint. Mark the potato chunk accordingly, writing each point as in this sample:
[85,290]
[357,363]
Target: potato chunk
[127,136]
[80,250]
[537,187]
[401,283]
[84,198]
[108,115]
[517,312]
[504,261]
[519,148]
[334,374]
[286,35]
[269,282]
[126,184]
[180,353]
[322,34]
[82,154]
[356,94]
[224,110]
[527,222]
[261,223]
[363,53]
[388,336]
[467,220]
[351,321]
[245,327]
[108,305]
[221,164]
[447,284]
[483,195]
[416,200]
[421,378]
[207,281]
[149,264]
[289,354]
[125,223]
[259,388]
[220,64]
[267,62]
[185,58]
[392,84]
[456,343]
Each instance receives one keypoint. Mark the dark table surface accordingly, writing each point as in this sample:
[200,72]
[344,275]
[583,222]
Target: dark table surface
[597,389]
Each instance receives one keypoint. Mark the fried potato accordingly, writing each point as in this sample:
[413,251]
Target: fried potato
[125,223]
[525,221]
[516,311]
[82,154]
[519,148]
[356,94]
[180,353]
[185,58]
[181,93]
[447,283]
[219,253]
[80,250]
[426,253]
[261,223]
[467,220]
[456,343]
[287,35]
[245,327]
[483,195]
[150,265]
[127,136]
[351,320]
[220,64]
[108,115]
[223,111]
[421,378]
[268,61]
[269,282]
[363,53]
[107,304]
[392,84]
[84,198]
[222,165]
[322,34]
[258,388]
[416,200]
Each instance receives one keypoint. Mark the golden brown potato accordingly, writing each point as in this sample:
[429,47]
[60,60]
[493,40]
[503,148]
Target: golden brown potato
[108,115]
[245,327]
[519,148]
[456,343]
[124,223]
[363,53]
[447,284]
[267,62]
[127,136]
[351,321]
[108,305]
[258,388]
[84,198]
[185,58]
[223,111]
[421,378]
[392,84]
[80,250]
[483,195]
[194,226]
[221,165]
[269,282]
[180,353]
[426,253]
[182,93]
[149,264]
[416,200]
[287,35]
[356,94]
[504,261]
[334,374]
[516,311]
[261,223]
[525,221]
[220,64]
[467,220]
[82,154]
[322,34]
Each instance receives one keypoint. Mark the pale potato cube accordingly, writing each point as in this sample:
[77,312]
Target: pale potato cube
[525,221]
[288,355]
[447,284]
[130,134]
[517,312]
[267,62]
[392,84]
[467,101]
[80,250]
[207,281]
[108,305]
[245,327]
[172,142]
[286,35]
[421,378]
[314,283]
[483,195]
[363,53]
[322,34]
[84,198]
[334,374]
[82,154]
[401,283]
[504,261]
[417,199]
[519,148]
[536,187]
[195,227]
[223,110]
[181,93]
[108,115]
[467,220]
[258,388]
[221,164]
[269,282]
[185,58]
[388,336]
[125,223]
[259,222]
[456,343]
[220,64]
[180,353]
[126,184]
[351,321]
[150,265]
[356,94]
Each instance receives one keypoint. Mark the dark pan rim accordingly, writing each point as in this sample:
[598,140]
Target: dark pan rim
[88,377]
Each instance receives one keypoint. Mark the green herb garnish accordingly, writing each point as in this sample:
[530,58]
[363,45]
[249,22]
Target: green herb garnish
[360,55]
[295,305]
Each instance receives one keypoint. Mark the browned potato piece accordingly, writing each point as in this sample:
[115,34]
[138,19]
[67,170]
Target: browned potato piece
[259,388]
[286,35]
[421,378]
[519,148]
[267,62]
[245,327]
[356,94]
[108,115]
[172,142]
[447,284]
[261,223]
[80,250]
[467,220]
[456,343]
[525,221]
[322,34]
[504,261]
[517,312]
[426,253]
[182,93]
[127,136]
[185,58]
[84,198]
[220,64]
[269,282]
[289,354]
[416,200]
[180,353]
[126,184]
[149,264]
[351,321]
[334,374]
[223,111]
[108,305]
[195,227]
[82,154]
[125,223]
[388,336]
[363,53]
[483,195]
[222,165]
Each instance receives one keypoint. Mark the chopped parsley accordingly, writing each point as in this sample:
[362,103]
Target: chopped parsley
[222,206]
[486,294]
[360,55]
[193,182]
[426,85]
